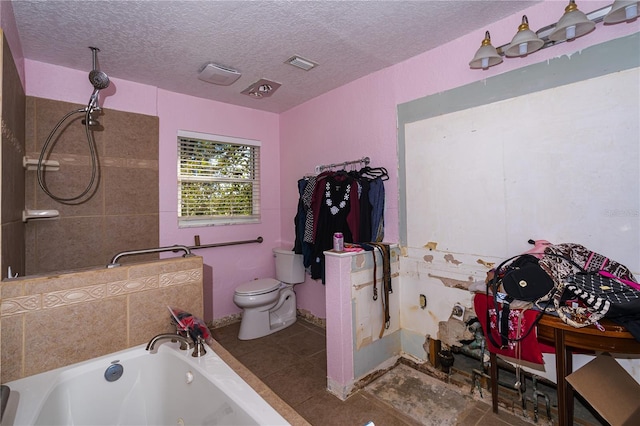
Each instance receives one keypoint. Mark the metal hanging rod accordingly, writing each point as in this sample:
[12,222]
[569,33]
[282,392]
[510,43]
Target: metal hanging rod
[364,160]
[258,240]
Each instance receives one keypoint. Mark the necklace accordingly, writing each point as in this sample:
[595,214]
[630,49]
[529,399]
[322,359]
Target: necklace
[333,208]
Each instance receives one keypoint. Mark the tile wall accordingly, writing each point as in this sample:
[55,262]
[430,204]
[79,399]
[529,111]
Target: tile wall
[121,215]
[48,322]
[12,189]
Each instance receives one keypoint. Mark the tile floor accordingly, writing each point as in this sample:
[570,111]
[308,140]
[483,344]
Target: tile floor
[293,363]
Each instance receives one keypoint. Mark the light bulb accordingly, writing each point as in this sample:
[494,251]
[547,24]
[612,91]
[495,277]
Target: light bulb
[571,32]
[523,49]
[631,11]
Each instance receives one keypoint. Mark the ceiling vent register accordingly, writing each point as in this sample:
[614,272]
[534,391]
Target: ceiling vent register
[301,63]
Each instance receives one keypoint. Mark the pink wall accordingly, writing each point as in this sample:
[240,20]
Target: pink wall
[360,118]
[355,120]
[235,264]
[69,85]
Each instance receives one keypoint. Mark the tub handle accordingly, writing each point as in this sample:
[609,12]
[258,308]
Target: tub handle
[199,350]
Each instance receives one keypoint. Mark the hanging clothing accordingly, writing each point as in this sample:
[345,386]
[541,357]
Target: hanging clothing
[385,254]
[301,246]
[335,202]
[366,210]
[307,198]
[376,197]
[336,209]
[351,203]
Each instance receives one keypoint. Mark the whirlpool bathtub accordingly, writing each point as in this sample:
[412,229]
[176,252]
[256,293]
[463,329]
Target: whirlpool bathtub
[169,387]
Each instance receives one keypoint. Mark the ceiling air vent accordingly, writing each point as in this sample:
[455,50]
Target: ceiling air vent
[218,74]
[301,63]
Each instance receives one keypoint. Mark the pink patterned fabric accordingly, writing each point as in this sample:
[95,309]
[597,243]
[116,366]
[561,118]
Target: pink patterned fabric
[520,321]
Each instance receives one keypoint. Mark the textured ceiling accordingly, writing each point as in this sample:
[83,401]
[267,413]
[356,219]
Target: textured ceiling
[166,43]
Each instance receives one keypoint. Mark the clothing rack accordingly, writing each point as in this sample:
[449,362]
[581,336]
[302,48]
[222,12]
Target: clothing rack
[364,160]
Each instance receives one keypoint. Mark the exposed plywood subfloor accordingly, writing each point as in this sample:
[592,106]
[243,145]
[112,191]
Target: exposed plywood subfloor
[432,402]
[422,397]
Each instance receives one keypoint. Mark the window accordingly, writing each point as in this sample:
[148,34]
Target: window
[218,180]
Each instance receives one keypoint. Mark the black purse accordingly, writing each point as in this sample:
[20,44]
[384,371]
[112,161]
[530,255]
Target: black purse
[525,280]
[602,297]
[522,279]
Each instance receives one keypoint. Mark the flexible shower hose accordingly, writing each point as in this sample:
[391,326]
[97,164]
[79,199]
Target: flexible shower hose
[92,148]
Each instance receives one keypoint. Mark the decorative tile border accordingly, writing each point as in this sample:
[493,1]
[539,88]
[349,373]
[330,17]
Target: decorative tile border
[20,305]
[180,277]
[76,295]
[54,299]
[132,286]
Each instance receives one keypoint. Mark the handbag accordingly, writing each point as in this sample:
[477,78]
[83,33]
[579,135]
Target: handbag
[599,296]
[523,279]
[589,285]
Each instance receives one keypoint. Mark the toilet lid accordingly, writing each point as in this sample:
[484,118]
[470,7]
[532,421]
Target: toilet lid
[261,286]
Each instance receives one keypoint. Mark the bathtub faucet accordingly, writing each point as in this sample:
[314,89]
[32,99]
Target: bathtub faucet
[198,351]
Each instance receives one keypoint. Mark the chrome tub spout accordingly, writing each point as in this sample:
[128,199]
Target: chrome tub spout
[198,351]
[169,336]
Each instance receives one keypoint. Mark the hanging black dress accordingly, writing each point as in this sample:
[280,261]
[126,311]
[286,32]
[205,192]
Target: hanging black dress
[336,204]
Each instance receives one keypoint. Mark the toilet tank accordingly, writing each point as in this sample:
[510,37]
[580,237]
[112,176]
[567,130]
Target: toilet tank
[289,267]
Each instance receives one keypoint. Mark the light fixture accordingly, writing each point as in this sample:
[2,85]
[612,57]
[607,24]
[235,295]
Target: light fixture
[621,11]
[524,42]
[487,55]
[573,24]
[261,89]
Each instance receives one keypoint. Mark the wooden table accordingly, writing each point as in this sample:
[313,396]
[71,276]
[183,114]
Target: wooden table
[564,337]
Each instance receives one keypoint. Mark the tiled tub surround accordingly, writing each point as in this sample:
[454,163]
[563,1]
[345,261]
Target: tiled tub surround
[48,322]
[123,212]
[12,101]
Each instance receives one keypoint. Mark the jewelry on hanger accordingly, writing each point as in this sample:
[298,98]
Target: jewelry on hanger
[342,204]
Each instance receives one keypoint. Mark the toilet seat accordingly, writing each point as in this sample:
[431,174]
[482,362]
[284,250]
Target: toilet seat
[258,287]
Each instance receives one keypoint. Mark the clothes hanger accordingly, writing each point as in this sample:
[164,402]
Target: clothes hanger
[374,173]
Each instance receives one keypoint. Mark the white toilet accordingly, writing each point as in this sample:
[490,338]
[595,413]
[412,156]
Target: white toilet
[270,304]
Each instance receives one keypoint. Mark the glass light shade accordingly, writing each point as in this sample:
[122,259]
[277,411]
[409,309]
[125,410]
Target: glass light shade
[621,11]
[487,56]
[573,24]
[524,42]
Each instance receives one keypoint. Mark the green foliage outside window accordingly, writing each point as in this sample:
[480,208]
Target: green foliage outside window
[218,180]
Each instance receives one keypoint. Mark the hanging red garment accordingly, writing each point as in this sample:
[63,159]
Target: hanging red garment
[520,321]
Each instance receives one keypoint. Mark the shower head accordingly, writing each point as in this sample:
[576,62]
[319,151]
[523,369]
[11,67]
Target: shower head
[98,79]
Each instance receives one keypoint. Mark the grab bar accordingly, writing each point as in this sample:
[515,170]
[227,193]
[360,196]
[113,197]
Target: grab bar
[258,240]
[114,260]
